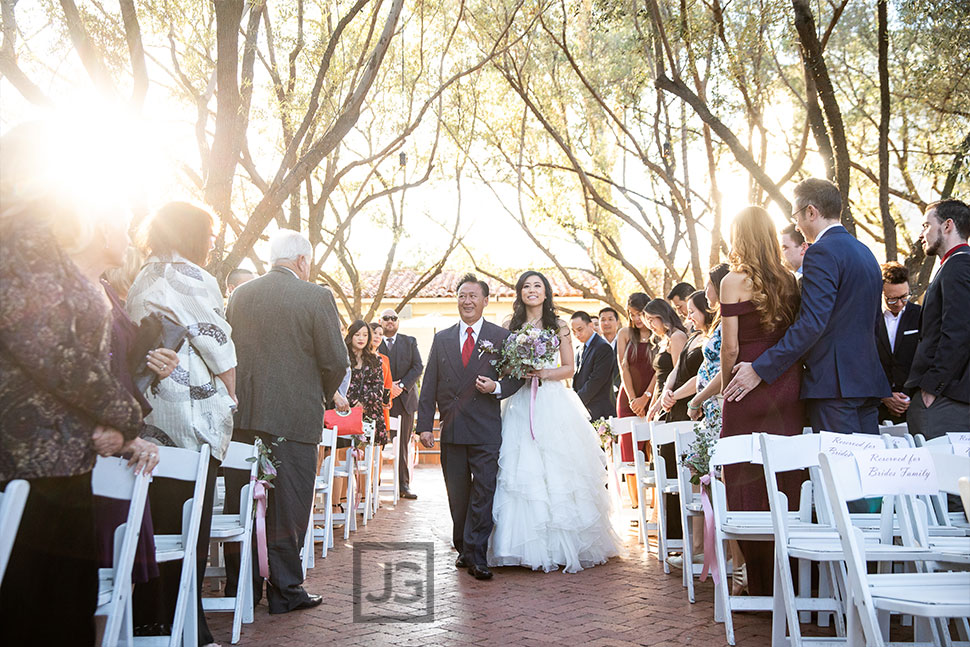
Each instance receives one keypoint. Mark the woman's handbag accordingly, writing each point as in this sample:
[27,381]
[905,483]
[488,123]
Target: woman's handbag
[155,331]
[351,422]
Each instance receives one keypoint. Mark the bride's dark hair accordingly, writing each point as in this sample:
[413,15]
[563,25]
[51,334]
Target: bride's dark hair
[549,318]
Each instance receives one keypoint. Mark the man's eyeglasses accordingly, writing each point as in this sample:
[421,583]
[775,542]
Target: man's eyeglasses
[891,301]
[794,216]
[389,318]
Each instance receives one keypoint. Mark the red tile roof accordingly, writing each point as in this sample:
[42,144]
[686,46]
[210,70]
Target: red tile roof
[400,282]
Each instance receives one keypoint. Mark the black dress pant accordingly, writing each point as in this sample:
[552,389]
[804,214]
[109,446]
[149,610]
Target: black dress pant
[50,590]
[470,474]
[407,425]
[153,602]
[288,505]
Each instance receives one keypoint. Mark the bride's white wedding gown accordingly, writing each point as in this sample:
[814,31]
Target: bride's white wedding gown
[551,505]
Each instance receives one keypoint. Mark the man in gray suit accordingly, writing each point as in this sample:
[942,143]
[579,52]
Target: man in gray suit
[291,360]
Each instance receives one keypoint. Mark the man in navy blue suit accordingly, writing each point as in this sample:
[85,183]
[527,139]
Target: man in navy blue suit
[593,381]
[462,383]
[843,380]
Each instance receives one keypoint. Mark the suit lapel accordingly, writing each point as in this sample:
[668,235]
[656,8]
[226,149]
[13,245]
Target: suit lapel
[882,335]
[452,351]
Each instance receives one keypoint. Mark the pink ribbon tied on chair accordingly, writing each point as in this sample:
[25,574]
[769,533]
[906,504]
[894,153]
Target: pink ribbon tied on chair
[710,562]
[259,495]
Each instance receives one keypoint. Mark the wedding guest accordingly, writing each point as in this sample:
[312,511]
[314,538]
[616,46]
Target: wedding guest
[707,402]
[367,379]
[678,297]
[635,355]
[841,287]
[684,377]
[759,302]
[793,248]
[406,368]
[237,277]
[669,339]
[940,375]
[194,407]
[594,321]
[377,338]
[595,368]
[60,405]
[897,333]
[610,329]
[292,359]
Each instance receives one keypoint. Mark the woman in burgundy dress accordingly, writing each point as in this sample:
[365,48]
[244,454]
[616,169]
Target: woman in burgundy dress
[635,357]
[759,301]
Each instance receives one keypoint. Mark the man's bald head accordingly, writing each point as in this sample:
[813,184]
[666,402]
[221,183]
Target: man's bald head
[389,322]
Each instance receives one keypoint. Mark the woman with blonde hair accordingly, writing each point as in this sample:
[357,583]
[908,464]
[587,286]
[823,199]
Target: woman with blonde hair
[759,301]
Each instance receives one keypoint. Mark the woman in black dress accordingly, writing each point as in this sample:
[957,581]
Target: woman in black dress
[676,397]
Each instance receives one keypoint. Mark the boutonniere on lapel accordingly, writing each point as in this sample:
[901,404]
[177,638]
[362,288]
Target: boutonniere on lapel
[485,346]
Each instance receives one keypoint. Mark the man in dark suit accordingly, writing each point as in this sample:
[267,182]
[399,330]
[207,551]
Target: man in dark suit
[405,358]
[897,333]
[462,383]
[291,360]
[593,381]
[610,327]
[940,375]
[841,288]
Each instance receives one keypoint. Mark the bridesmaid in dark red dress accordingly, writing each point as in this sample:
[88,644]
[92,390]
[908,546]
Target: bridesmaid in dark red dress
[634,354]
[759,301]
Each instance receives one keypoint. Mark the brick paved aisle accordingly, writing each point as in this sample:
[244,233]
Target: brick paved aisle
[626,602]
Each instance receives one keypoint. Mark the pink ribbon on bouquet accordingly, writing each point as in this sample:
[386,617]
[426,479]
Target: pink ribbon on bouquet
[259,495]
[532,406]
[710,562]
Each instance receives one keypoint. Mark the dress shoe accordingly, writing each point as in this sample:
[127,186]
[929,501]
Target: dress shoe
[309,603]
[408,494]
[480,572]
[461,562]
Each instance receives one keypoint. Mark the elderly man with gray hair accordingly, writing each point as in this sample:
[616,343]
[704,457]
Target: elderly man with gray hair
[291,360]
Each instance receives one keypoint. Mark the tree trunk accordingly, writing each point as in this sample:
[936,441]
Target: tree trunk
[888,226]
[812,50]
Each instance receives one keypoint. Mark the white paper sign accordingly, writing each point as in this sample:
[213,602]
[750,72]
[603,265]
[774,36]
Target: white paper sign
[897,471]
[848,445]
[961,437]
[961,448]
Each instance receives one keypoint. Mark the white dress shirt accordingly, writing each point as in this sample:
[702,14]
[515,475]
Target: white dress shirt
[892,325]
[476,330]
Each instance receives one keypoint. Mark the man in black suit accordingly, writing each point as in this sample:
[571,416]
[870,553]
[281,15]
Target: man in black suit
[462,383]
[940,375]
[593,381]
[897,333]
[405,358]
[291,360]
[610,330]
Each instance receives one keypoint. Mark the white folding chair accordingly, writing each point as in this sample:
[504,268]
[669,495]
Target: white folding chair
[964,487]
[323,488]
[12,502]
[661,435]
[690,508]
[112,478]
[621,469]
[366,468]
[236,529]
[385,483]
[931,597]
[191,466]
[645,480]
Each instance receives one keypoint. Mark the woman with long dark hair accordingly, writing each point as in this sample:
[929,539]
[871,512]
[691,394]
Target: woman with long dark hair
[551,506]
[684,383]
[669,337]
[366,388]
[707,401]
[759,301]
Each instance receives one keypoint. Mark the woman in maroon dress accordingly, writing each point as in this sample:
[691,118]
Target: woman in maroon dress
[759,301]
[635,357]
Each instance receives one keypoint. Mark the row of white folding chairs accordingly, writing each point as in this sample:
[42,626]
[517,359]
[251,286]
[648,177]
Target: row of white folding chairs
[618,470]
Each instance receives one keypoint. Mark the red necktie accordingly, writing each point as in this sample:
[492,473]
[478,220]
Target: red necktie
[467,347]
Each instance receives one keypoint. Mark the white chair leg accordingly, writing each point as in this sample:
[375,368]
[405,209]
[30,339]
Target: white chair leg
[805,588]
[662,532]
[397,467]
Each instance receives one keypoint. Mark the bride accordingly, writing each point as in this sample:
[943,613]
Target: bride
[551,506]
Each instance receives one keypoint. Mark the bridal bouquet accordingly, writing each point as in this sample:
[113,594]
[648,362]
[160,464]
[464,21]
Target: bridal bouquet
[697,458]
[526,350]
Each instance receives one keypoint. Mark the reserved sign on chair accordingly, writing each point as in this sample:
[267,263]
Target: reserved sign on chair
[848,445]
[897,471]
